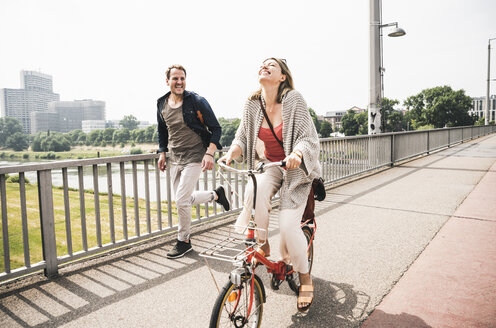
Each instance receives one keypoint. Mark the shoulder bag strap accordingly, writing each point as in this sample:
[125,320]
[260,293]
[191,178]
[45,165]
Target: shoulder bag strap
[269,123]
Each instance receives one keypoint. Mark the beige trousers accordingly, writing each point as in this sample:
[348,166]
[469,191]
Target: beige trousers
[184,178]
[293,245]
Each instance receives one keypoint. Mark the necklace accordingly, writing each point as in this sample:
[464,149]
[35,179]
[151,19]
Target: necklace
[262,102]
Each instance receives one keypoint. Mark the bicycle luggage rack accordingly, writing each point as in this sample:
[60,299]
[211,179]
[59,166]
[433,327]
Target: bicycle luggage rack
[229,249]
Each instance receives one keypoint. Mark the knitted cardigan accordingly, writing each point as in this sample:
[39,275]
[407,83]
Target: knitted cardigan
[298,133]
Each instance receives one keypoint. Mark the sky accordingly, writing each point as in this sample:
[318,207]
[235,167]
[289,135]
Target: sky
[118,51]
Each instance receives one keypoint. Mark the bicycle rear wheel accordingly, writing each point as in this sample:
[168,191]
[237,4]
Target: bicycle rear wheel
[231,306]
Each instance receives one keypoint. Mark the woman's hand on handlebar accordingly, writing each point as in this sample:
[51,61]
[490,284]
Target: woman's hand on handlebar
[233,152]
[226,159]
[293,161]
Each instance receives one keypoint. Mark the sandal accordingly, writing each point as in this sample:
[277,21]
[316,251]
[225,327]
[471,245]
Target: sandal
[304,299]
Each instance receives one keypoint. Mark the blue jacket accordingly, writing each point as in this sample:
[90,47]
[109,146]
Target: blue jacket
[194,107]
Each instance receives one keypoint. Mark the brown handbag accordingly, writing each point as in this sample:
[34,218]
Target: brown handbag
[317,192]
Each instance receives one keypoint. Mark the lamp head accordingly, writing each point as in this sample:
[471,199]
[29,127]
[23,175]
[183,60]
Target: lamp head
[397,31]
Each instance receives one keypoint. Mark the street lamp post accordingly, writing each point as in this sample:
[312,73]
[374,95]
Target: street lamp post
[376,69]
[488,99]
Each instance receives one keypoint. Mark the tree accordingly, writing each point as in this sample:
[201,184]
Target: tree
[315,119]
[139,135]
[395,121]
[54,142]
[108,134]
[387,109]
[349,125]
[121,136]
[76,136]
[155,136]
[363,123]
[129,122]
[325,129]
[18,141]
[58,143]
[229,128]
[149,132]
[94,138]
[8,127]
[481,121]
[440,107]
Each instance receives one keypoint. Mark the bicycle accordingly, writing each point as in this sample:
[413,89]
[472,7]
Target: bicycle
[240,302]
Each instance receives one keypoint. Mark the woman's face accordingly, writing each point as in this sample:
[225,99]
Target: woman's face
[270,71]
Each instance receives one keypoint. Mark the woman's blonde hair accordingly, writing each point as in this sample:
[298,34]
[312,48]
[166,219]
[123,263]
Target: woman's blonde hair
[284,87]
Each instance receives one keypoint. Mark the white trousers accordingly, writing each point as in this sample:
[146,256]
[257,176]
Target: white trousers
[293,245]
[184,179]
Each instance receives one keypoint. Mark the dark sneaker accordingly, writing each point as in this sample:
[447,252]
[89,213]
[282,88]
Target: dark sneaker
[179,250]
[221,198]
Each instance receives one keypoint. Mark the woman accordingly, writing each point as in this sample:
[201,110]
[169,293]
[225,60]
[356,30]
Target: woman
[297,143]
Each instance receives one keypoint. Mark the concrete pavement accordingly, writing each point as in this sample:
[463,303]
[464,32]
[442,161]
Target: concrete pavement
[453,282]
[408,223]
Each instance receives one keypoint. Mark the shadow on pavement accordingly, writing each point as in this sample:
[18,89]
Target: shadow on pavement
[335,305]
[87,287]
[380,319]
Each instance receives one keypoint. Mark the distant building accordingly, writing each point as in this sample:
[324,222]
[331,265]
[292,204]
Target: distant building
[65,116]
[44,121]
[144,124]
[90,125]
[479,107]
[113,124]
[35,94]
[335,117]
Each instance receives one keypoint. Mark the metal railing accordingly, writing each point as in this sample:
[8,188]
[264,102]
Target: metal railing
[77,208]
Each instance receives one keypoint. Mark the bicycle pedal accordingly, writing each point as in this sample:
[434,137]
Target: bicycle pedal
[275,283]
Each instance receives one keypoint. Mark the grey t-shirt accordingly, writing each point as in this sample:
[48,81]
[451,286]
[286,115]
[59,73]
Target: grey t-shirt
[185,145]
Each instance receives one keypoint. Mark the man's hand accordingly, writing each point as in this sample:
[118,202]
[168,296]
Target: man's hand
[207,162]
[161,162]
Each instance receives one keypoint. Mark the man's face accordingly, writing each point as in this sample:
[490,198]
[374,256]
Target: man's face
[177,81]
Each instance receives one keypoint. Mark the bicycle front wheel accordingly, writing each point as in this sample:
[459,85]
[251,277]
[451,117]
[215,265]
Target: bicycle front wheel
[231,306]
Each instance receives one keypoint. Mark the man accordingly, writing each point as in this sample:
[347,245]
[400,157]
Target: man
[187,127]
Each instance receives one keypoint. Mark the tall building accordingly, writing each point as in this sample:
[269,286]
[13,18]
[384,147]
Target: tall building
[35,94]
[479,107]
[65,116]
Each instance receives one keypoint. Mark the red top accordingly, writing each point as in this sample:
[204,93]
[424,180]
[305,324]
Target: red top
[273,150]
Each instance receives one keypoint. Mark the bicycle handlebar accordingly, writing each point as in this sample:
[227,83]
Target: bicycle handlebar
[260,167]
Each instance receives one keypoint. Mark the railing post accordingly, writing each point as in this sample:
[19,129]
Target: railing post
[393,159]
[428,142]
[47,223]
[449,137]
[5,224]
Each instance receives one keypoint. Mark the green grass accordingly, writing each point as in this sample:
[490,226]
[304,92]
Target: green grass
[34,227]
